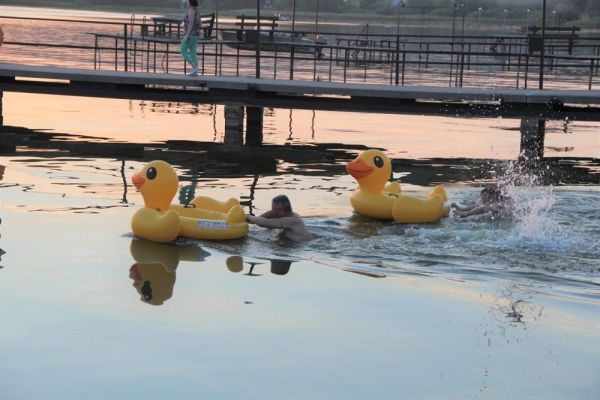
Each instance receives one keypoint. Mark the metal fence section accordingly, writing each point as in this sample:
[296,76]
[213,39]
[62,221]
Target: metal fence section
[392,59]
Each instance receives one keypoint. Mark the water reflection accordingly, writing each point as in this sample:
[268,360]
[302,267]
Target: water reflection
[154,270]
[362,226]
[280,267]
[214,160]
[2,252]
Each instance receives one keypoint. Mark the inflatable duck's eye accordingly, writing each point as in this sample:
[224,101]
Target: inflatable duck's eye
[378,161]
[151,173]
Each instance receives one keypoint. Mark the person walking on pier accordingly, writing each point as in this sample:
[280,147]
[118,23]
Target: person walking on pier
[189,43]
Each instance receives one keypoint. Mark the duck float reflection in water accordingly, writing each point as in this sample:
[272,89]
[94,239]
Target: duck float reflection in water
[374,198]
[154,271]
[161,221]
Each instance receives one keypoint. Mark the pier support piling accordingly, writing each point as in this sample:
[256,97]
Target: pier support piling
[533,130]
[234,124]
[254,126]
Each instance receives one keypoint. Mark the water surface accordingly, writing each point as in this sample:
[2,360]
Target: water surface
[457,309]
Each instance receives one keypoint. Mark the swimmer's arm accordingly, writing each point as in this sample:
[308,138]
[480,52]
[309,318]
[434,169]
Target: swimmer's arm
[458,207]
[481,209]
[268,214]
[275,223]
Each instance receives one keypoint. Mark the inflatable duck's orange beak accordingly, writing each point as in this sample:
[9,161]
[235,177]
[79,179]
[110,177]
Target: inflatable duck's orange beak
[138,181]
[359,169]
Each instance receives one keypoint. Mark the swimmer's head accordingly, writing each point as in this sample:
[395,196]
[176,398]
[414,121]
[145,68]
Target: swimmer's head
[490,194]
[281,206]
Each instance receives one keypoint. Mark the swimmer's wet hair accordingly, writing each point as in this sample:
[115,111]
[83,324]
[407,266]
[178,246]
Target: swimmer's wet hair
[193,3]
[492,191]
[495,193]
[283,201]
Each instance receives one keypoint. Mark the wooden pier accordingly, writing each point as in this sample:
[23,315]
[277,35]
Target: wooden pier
[253,93]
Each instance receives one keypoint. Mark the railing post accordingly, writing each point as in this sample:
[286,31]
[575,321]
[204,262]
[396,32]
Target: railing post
[237,59]
[526,69]
[1,114]
[397,58]
[257,38]
[543,49]
[167,61]
[126,59]
[403,65]
[203,57]
[275,63]
[345,63]
[154,58]
[462,68]
[331,60]
[591,73]
[95,49]
[316,55]
[509,50]
[469,58]
[292,52]
[518,69]
[221,59]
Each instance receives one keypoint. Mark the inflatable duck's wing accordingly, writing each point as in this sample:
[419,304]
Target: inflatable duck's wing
[154,225]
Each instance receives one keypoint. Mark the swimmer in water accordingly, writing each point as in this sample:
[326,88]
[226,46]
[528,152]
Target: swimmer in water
[493,204]
[281,216]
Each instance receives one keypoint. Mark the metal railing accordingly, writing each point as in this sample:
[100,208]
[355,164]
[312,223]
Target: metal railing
[373,58]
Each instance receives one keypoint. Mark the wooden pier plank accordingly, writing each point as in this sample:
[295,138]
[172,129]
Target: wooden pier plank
[308,88]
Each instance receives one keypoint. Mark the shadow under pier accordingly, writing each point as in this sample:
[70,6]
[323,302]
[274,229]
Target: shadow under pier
[222,160]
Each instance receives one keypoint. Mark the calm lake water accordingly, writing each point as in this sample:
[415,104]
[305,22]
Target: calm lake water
[458,309]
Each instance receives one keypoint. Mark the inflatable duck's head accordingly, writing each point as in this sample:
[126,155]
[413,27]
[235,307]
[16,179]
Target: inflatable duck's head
[158,184]
[371,169]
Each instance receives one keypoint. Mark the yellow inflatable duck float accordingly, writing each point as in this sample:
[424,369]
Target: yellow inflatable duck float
[374,198]
[161,221]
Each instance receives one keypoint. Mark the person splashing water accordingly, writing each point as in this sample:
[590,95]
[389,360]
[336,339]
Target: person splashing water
[493,204]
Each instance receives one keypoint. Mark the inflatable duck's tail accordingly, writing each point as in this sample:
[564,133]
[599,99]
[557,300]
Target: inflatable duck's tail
[439,191]
[393,187]
[236,215]
[207,203]
[416,210]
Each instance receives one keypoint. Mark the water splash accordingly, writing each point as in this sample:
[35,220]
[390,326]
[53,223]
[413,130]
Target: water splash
[535,225]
